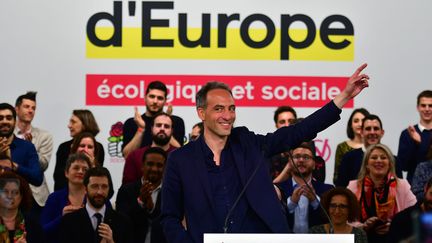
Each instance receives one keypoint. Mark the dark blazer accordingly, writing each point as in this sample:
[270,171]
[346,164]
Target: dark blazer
[127,204]
[77,227]
[62,155]
[314,215]
[186,190]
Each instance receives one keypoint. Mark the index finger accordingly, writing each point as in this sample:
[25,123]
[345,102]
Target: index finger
[360,69]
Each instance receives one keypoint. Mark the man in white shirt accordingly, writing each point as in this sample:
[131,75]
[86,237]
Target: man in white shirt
[25,107]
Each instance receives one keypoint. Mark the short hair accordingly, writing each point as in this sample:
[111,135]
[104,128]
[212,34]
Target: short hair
[24,188]
[306,145]
[77,157]
[353,204]
[201,96]
[372,117]
[282,109]
[424,94]
[30,95]
[350,131]
[157,85]
[363,169]
[164,114]
[88,120]
[99,171]
[6,106]
[77,140]
[154,150]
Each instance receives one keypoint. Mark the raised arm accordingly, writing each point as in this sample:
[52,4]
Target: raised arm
[356,83]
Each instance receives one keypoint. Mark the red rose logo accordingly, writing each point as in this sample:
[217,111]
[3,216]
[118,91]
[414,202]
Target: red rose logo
[116,130]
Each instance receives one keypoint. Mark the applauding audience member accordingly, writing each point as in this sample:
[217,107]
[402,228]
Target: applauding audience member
[141,200]
[96,222]
[80,121]
[302,200]
[68,199]
[414,141]
[17,154]
[380,193]
[86,143]
[137,130]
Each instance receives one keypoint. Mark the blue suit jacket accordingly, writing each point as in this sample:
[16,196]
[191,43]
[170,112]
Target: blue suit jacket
[314,215]
[186,190]
[25,155]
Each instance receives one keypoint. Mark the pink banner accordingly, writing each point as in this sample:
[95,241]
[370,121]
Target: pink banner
[262,91]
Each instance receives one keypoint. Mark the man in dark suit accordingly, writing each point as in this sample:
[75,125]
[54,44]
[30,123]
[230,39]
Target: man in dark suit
[204,178]
[302,200]
[96,222]
[141,200]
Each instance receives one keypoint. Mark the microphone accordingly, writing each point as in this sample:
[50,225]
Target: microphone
[225,227]
[331,228]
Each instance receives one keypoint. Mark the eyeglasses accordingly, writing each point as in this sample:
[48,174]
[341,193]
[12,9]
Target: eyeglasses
[340,206]
[305,157]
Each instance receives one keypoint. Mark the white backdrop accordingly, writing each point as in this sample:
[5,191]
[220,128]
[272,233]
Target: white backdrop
[43,48]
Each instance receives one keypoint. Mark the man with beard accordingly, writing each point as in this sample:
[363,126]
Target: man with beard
[25,107]
[372,133]
[400,231]
[162,131]
[141,200]
[302,200]
[135,130]
[96,222]
[17,154]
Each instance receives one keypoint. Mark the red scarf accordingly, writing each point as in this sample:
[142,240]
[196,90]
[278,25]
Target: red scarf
[378,200]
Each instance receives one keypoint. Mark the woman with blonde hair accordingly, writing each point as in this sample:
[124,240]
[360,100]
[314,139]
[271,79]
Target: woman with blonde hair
[380,193]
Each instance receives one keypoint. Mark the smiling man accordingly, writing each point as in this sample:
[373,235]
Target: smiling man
[141,200]
[303,200]
[372,132]
[17,154]
[204,180]
[25,107]
[415,140]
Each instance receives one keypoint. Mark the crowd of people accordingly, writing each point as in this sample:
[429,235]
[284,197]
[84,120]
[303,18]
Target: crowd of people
[224,179]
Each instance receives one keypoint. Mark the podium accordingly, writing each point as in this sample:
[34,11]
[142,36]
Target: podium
[278,238]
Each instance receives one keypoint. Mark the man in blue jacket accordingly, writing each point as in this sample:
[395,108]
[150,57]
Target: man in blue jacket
[204,180]
[17,154]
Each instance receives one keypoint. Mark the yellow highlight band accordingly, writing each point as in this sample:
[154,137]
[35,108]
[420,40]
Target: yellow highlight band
[235,48]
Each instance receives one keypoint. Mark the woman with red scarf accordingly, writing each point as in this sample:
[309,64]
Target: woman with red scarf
[15,202]
[380,193]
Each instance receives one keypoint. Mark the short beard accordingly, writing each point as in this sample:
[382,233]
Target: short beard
[7,135]
[153,113]
[161,141]
[96,204]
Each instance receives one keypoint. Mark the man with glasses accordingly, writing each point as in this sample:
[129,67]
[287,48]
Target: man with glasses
[162,132]
[302,200]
